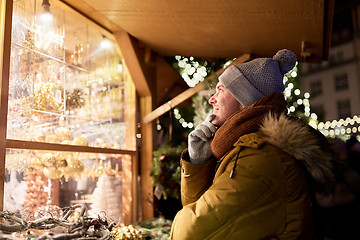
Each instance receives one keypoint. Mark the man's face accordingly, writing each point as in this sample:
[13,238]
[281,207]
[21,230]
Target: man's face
[224,105]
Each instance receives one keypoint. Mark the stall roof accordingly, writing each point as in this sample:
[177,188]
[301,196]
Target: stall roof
[217,29]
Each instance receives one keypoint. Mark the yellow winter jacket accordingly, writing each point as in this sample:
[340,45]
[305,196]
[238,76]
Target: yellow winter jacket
[268,195]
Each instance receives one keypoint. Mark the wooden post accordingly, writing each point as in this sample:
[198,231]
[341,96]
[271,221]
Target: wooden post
[127,195]
[5,47]
[146,153]
[130,163]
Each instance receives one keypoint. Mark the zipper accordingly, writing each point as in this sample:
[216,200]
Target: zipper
[237,156]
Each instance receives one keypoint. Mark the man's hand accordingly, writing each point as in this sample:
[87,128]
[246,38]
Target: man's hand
[198,141]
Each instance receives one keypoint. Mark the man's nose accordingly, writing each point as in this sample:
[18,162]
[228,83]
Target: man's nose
[212,99]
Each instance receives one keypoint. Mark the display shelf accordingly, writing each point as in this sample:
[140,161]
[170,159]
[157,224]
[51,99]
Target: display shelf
[32,125]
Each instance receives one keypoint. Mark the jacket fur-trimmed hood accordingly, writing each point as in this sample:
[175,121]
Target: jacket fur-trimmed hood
[304,143]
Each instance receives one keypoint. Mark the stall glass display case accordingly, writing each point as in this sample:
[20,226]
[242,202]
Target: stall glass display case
[67,100]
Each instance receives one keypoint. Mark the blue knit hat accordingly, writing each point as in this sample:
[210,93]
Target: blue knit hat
[253,80]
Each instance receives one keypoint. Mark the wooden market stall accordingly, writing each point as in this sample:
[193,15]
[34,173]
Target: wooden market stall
[143,33]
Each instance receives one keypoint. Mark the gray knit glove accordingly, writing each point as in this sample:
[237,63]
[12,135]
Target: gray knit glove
[198,141]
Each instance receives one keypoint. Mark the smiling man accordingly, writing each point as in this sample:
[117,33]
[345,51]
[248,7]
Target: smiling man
[224,104]
[248,168]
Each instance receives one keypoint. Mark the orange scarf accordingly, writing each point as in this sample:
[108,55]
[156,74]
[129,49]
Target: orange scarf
[245,121]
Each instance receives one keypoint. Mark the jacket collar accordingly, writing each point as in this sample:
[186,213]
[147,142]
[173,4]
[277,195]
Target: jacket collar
[301,141]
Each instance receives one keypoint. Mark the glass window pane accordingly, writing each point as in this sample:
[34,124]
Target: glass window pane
[77,81]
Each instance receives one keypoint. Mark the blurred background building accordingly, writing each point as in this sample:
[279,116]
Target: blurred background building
[334,85]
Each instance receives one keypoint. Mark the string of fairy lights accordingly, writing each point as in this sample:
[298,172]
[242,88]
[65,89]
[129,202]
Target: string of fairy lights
[181,120]
[342,128]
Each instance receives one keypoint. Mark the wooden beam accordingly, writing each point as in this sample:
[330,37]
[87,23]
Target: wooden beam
[5,47]
[129,50]
[20,144]
[189,92]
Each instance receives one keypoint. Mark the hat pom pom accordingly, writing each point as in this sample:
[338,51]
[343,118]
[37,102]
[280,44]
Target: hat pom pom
[286,60]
